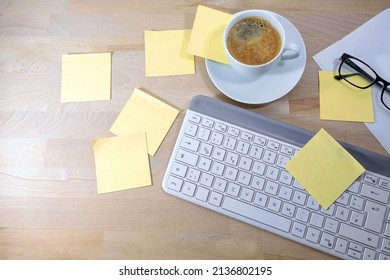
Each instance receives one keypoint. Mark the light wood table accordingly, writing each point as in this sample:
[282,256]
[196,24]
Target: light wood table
[49,206]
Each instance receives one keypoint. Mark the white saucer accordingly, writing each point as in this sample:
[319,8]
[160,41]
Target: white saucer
[266,88]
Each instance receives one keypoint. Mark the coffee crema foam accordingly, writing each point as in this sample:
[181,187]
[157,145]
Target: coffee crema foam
[253,41]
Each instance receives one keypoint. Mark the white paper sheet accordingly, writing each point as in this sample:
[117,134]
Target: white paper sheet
[371,43]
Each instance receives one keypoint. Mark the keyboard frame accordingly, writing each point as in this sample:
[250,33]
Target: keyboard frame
[275,129]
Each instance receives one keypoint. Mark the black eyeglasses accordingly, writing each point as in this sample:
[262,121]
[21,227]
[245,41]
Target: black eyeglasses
[359,74]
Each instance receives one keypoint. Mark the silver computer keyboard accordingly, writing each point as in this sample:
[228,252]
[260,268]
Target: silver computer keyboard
[231,160]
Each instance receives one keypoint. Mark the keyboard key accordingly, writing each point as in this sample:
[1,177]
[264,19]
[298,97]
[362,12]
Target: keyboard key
[327,240]
[285,178]
[302,215]
[247,194]
[190,143]
[359,235]
[369,178]
[217,168]
[174,183]
[356,202]
[244,178]
[207,122]
[204,164]
[273,145]
[216,138]
[298,229]
[285,192]
[189,189]
[384,183]
[260,141]
[375,215]
[258,183]
[218,154]
[274,204]
[256,214]
[191,129]
[375,193]
[369,254]
[342,213]
[331,225]
[299,198]
[220,184]
[272,173]
[287,150]
[179,169]
[313,235]
[386,245]
[215,199]
[233,131]
[341,245]
[187,157]
[233,189]
[354,254]
[256,152]
[271,187]
[357,218]
[258,168]
[204,134]
[269,157]
[245,163]
[317,220]
[221,127]
[288,209]
[205,149]
[246,136]
[202,194]
[260,199]
[193,175]
[206,180]
[195,118]
[232,158]
[229,143]
[231,173]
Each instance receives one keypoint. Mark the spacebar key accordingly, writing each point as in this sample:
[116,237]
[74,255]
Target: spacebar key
[256,214]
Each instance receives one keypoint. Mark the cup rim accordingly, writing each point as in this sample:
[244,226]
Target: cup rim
[237,17]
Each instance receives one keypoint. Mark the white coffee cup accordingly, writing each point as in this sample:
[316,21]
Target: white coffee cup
[287,50]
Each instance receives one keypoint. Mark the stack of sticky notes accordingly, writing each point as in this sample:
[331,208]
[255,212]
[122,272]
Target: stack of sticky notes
[172,52]
[324,168]
[122,161]
[343,102]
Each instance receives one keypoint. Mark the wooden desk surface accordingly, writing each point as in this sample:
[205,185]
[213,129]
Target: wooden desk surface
[49,207]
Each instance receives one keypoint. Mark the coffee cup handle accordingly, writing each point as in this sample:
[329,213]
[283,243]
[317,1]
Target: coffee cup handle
[291,51]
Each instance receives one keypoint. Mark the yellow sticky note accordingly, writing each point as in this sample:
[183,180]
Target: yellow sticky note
[166,53]
[207,34]
[86,77]
[121,163]
[324,168]
[144,112]
[342,101]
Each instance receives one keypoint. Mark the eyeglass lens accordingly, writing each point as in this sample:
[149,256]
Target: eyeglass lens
[361,75]
[357,73]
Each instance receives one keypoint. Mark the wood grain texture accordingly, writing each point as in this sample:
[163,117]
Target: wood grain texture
[49,207]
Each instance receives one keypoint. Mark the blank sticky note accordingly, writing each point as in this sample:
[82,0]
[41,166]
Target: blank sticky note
[341,101]
[324,168]
[86,77]
[207,34]
[121,163]
[166,53]
[144,112]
